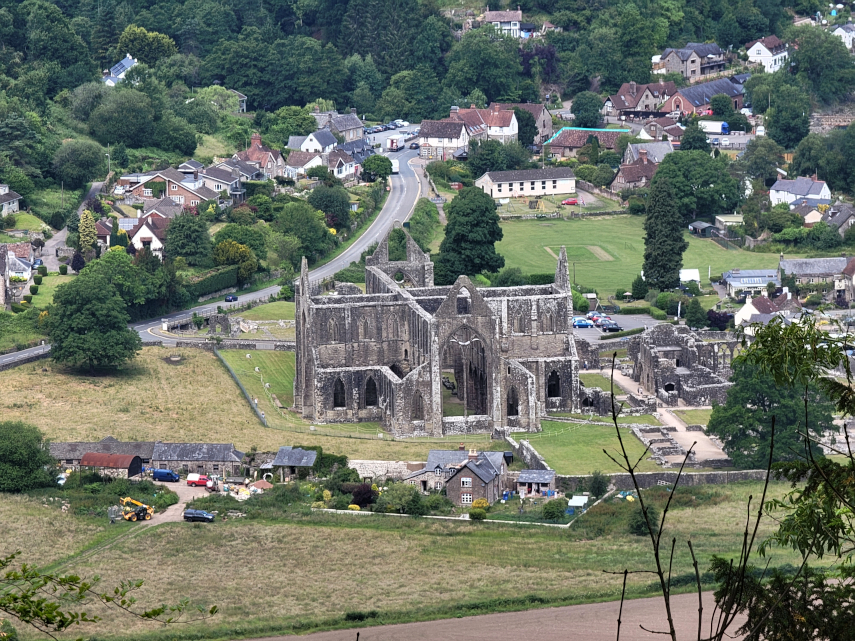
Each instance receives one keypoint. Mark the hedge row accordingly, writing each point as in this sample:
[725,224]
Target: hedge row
[626,332]
[212,281]
[655,312]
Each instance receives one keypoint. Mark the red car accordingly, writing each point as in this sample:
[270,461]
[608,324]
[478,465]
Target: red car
[197,480]
[570,201]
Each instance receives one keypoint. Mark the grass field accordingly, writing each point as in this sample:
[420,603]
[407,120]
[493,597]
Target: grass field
[48,288]
[277,370]
[28,221]
[47,201]
[694,417]
[280,310]
[578,449]
[595,380]
[300,561]
[211,147]
[533,245]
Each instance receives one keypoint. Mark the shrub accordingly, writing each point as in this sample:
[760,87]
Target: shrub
[658,314]
[477,514]
[637,523]
[353,507]
[17,308]
[363,495]
[37,279]
[811,301]
[663,300]
[481,504]
[341,502]
[28,298]
[437,503]
[34,289]
[43,270]
[361,616]
[554,509]
[598,484]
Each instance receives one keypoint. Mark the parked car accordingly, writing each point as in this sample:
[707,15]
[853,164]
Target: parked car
[198,515]
[231,298]
[165,475]
[38,262]
[197,480]
[600,320]
[725,142]
[570,201]
[414,145]
[593,315]
[582,323]
[611,326]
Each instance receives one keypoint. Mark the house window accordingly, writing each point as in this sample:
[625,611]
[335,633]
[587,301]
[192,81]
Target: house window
[216,468]
[218,187]
[438,485]
[499,188]
[69,461]
[449,140]
[174,187]
[146,192]
[543,184]
[194,202]
[466,499]
[532,184]
[178,199]
[162,466]
[466,481]
[522,185]
[554,184]
[438,471]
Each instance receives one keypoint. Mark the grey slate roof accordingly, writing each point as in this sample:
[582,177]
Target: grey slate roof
[294,457]
[122,66]
[191,164]
[245,169]
[480,467]
[536,476]
[699,224]
[325,137]
[548,173]
[165,206]
[813,266]
[295,142]
[196,452]
[702,49]
[108,445]
[9,196]
[345,122]
[218,173]
[701,94]
[656,151]
[445,458]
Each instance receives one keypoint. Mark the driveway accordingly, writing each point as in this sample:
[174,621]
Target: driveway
[173,513]
[58,239]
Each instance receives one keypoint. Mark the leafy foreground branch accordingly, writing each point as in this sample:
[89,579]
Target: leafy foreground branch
[52,603]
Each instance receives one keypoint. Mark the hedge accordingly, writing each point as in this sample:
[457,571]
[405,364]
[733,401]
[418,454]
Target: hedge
[34,289]
[37,279]
[658,314]
[28,298]
[626,332]
[634,310]
[212,281]
[541,279]
[63,269]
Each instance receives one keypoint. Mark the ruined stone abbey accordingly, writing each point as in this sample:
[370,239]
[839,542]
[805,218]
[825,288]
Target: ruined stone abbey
[434,361]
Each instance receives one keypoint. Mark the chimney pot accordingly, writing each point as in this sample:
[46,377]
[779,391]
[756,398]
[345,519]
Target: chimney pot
[473,454]
[195,174]
[642,153]
[462,447]
[353,110]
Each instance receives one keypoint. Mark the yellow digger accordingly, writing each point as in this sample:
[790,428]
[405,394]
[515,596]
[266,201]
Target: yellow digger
[134,510]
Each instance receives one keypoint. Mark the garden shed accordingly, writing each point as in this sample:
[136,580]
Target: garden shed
[118,465]
[535,482]
[289,460]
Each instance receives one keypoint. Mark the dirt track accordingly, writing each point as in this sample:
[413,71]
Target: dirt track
[590,622]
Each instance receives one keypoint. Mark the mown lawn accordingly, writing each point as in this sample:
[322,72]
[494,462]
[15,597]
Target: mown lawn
[280,310]
[571,448]
[608,252]
[694,417]
[48,288]
[361,556]
[595,380]
[28,222]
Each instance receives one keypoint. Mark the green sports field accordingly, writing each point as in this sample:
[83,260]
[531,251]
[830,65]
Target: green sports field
[608,252]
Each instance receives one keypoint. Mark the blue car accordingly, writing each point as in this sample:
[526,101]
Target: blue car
[582,322]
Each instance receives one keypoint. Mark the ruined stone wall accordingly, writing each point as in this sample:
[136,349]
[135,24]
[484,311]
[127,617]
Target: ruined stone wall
[622,481]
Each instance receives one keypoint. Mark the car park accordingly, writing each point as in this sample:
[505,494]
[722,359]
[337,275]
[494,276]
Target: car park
[725,142]
[601,320]
[593,315]
[570,201]
[198,515]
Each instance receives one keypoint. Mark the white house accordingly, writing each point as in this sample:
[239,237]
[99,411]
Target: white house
[299,162]
[846,32]
[439,139]
[117,72]
[507,22]
[750,280]
[497,123]
[341,164]
[807,189]
[150,233]
[770,51]
[8,200]
[528,182]
[319,142]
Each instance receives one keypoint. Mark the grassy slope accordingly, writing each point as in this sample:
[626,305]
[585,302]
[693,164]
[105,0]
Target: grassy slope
[211,146]
[578,449]
[363,557]
[280,310]
[28,221]
[621,237]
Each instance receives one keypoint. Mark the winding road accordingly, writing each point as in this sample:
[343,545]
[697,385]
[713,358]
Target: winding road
[407,187]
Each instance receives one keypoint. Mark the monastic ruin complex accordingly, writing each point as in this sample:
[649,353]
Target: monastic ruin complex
[433,361]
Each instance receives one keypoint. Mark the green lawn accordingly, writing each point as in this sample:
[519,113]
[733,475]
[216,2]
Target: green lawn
[211,147]
[595,380]
[280,310]
[608,252]
[48,288]
[276,368]
[47,201]
[578,449]
[694,417]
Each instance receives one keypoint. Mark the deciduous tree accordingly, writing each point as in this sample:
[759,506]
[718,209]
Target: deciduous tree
[25,460]
[377,167]
[77,162]
[335,203]
[586,109]
[694,138]
[146,46]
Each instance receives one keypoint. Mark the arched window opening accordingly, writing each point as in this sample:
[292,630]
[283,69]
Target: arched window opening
[553,385]
[669,387]
[332,330]
[338,394]
[394,327]
[518,324]
[364,331]
[548,323]
[371,393]
[406,355]
[397,371]
[513,402]
[587,402]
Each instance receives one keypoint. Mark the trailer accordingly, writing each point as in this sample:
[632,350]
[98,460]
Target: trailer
[714,127]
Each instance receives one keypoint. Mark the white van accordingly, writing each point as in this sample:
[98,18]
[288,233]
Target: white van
[761,130]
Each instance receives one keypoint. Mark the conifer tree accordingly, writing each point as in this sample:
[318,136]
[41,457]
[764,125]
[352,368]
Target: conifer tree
[663,238]
[696,316]
[88,235]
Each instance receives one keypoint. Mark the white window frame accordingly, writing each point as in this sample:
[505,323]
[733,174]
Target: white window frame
[146,192]
[437,485]
[174,187]
[466,481]
[466,498]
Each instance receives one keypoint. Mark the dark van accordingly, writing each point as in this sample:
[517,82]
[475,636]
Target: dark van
[166,475]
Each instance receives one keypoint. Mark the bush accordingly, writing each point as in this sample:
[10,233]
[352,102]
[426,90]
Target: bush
[42,270]
[212,281]
[663,300]
[633,310]
[541,279]
[598,484]
[363,495]
[63,269]
[34,289]
[637,523]
[554,509]
[37,279]
[28,298]
[481,504]
[658,314]
[437,503]
[353,507]
[477,514]
[811,301]
[17,308]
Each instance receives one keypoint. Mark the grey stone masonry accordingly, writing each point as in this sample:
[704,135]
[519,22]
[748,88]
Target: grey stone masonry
[398,353]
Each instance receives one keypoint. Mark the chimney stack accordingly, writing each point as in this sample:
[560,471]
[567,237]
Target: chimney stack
[473,454]
[633,88]
[353,110]
[195,174]
[455,109]
[317,109]
[642,154]
[462,447]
